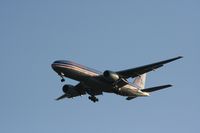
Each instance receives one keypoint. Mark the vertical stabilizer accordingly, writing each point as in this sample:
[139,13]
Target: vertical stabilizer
[139,81]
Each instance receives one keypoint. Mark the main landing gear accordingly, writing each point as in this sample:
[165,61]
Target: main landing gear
[62,79]
[93,98]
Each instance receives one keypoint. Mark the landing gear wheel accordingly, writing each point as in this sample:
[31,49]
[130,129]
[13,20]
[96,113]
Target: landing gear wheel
[62,80]
[93,98]
[62,77]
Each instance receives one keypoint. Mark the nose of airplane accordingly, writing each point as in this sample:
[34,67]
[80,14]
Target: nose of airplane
[54,66]
[57,65]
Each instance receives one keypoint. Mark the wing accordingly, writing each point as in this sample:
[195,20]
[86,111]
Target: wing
[134,72]
[77,90]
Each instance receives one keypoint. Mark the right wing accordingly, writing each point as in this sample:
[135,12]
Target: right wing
[134,72]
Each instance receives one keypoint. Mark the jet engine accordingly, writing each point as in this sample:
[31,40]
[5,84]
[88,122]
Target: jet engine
[110,76]
[67,87]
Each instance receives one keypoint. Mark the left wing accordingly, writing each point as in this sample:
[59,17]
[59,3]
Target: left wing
[77,90]
[134,72]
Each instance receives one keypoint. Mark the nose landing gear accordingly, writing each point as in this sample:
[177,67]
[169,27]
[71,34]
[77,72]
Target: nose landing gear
[93,98]
[62,77]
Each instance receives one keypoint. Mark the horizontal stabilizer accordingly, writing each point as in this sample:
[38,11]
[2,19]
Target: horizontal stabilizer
[61,97]
[156,88]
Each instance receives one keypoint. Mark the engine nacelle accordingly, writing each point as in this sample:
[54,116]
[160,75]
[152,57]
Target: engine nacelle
[67,87]
[110,76]
[70,91]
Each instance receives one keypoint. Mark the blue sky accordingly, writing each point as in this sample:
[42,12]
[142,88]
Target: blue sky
[104,35]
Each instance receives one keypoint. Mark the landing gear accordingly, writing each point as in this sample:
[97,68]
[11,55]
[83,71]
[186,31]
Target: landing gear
[93,98]
[62,80]
[116,90]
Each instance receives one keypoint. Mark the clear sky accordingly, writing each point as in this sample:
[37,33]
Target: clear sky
[108,34]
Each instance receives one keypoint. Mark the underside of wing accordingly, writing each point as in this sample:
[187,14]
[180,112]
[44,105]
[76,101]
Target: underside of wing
[134,72]
[74,91]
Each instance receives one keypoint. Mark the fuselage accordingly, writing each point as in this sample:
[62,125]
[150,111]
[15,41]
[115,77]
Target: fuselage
[90,78]
[73,70]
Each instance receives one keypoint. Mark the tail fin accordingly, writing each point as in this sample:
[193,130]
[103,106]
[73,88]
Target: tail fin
[139,81]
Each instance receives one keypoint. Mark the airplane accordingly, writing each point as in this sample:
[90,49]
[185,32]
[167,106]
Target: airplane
[95,83]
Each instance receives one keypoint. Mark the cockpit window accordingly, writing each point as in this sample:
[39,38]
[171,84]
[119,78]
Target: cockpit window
[61,61]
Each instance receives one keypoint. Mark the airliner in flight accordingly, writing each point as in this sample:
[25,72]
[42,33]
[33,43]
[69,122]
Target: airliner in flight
[95,83]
